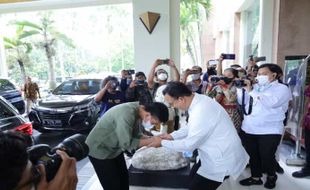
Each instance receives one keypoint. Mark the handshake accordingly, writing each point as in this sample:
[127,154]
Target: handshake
[155,141]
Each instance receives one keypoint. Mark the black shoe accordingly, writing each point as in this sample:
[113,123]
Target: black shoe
[271,182]
[250,181]
[279,169]
[301,173]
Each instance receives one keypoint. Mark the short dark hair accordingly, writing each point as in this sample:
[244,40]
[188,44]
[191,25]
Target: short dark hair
[107,79]
[177,89]
[13,158]
[158,110]
[233,71]
[140,73]
[274,68]
[235,66]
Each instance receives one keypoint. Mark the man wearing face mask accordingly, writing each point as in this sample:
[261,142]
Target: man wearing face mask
[138,90]
[210,131]
[116,131]
[109,96]
[263,127]
[196,84]
[161,75]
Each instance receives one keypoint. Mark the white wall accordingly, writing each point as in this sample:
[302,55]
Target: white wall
[163,42]
[265,47]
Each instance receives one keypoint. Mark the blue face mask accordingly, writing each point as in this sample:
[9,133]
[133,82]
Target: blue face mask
[147,125]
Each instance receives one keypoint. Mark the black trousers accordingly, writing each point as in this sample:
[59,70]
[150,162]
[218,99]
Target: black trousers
[307,143]
[261,149]
[112,173]
[201,183]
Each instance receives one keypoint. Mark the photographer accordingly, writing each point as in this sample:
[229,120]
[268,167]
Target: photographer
[116,131]
[18,173]
[109,95]
[263,127]
[196,84]
[138,90]
[225,93]
[161,75]
[125,80]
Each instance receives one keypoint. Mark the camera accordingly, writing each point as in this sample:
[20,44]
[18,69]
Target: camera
[131,72]
[74,146]
[239,83]
[228,56]
[258,59]
[114,83]
[215,79]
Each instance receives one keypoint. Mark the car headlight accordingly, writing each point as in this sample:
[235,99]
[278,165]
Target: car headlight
[82,107]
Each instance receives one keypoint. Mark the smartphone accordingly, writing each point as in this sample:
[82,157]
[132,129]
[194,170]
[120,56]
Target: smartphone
[213,62]
[165,61]
[131,71]
[228,56]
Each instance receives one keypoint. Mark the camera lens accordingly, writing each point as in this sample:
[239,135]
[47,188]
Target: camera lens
[74,146]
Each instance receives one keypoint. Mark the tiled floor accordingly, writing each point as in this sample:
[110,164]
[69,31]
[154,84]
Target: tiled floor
[285,181]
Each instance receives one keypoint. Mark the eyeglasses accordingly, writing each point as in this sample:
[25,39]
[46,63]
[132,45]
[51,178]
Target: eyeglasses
[35,178]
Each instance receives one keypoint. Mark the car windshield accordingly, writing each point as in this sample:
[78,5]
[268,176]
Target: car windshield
[5,111]
[6,85]
[78,87]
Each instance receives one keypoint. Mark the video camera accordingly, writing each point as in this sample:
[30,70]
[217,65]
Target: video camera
[239,83]
[258,59]
[74,146]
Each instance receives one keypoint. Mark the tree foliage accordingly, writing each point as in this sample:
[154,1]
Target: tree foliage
[191,14]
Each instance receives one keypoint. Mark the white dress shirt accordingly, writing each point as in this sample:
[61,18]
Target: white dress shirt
[268,110]
[211,131]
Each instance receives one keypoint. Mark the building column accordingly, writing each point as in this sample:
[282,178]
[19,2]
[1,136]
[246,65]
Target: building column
[266,30]
[164,41]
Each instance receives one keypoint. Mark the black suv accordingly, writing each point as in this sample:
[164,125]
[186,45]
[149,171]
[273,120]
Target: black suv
[70,106]
[10,119]
[12,94]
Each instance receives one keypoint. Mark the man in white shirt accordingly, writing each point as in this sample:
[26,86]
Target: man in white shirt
[210,131]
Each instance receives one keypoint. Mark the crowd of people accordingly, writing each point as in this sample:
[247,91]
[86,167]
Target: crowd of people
[234,118]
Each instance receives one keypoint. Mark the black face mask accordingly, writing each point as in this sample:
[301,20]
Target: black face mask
[227,80]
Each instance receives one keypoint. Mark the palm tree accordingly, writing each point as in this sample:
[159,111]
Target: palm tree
[191,13]
[49,36]
[18,48]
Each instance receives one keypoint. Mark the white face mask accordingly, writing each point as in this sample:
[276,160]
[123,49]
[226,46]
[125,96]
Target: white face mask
[162,76]
[196,76]
[147,124]
[262,80]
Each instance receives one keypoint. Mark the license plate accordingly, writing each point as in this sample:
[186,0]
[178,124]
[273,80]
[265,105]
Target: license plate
[51,122]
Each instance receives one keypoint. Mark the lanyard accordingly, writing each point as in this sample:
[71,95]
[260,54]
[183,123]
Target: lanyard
[243,104]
